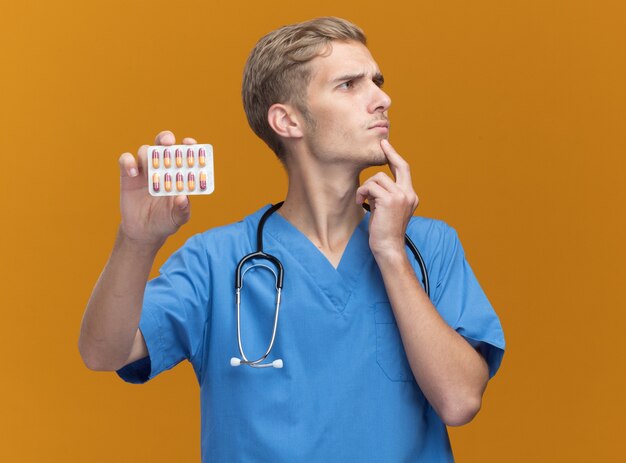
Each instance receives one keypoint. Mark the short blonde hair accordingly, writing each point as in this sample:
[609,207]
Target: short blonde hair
[277,69]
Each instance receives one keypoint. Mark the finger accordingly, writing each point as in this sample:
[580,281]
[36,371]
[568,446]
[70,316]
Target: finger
[189,141]
[370,190]
[142,154]
[372,203]
[181,212]
[128,165]
[383,180]
[399,167]
[166,138]
[392,189]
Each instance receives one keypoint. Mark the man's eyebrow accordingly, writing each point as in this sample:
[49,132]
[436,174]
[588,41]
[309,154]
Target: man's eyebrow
[378,78]
[346,77]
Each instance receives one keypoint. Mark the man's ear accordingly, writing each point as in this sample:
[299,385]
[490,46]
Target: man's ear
[285,121]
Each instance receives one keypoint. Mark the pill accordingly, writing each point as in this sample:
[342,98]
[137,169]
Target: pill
[155,159]
[168,182]
[167,158]
[179,169]
[156,183]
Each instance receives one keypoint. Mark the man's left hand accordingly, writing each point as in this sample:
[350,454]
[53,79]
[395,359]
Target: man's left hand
[392,203]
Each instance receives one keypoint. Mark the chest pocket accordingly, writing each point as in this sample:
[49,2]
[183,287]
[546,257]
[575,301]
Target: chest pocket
[390,353]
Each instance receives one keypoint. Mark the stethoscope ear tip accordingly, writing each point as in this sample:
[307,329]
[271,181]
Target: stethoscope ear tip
[277,363]
[235,362]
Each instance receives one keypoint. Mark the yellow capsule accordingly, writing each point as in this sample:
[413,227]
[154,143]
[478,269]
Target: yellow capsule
[155,159]
[191,181]
[180,182]
[156,183]
[167,159]
[202,180]
[190,157]
[168,182]
[179,158]
[202,157]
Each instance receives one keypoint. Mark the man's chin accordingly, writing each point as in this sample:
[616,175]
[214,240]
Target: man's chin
[378,162]
[378,158]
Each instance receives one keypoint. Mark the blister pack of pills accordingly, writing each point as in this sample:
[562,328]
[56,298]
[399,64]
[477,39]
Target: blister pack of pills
[180,170]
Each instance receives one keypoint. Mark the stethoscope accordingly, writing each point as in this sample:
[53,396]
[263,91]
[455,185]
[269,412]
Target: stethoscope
[278,276]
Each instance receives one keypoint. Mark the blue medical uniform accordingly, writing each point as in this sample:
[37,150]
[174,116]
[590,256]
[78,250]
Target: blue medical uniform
[346,392]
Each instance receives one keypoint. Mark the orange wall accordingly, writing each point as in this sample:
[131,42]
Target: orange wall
[511,113]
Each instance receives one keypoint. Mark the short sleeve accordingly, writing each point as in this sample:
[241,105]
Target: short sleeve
[460,300]
[174,314]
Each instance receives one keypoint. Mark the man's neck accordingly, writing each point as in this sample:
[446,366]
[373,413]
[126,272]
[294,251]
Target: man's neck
[321,204]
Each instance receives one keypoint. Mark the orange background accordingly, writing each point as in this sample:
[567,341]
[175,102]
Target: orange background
[512,116]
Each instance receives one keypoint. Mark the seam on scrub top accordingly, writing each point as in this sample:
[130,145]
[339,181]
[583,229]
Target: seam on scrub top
[200,347]
[352,291]
[160,345]
[181,306]
[445,274]
[379,337]
[276,237]
[340,310]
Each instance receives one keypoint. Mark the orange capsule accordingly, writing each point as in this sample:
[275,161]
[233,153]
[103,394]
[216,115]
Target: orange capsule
[156,183]
[191,181]
[202,180]
[179,157]
[155,159]
[168,182]
[190,157]
[180,181]
[202,157]
[167,159]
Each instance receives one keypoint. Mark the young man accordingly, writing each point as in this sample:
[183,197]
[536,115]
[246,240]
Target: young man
[373,369]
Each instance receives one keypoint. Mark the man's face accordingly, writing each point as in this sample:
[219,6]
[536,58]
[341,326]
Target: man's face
[347,109]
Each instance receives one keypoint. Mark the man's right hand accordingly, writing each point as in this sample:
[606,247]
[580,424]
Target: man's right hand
[148,220]
[110,336]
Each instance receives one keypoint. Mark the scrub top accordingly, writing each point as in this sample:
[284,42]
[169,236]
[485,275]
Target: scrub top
[346,391]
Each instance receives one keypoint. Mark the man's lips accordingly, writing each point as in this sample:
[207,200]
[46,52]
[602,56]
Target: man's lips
[380,124]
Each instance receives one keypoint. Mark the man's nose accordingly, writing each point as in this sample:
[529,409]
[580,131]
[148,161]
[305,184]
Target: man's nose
[380,100]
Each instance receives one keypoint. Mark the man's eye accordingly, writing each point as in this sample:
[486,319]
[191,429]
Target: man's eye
[348,84]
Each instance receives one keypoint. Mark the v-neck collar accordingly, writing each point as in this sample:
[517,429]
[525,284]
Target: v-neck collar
[337,284]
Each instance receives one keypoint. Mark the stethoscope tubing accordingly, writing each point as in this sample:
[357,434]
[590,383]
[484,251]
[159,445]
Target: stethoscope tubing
[244,359]
[259,254]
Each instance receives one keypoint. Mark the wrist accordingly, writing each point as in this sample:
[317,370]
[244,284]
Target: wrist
[392,255]
[138,247]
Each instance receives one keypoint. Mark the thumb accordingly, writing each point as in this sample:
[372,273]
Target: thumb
[181,210]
